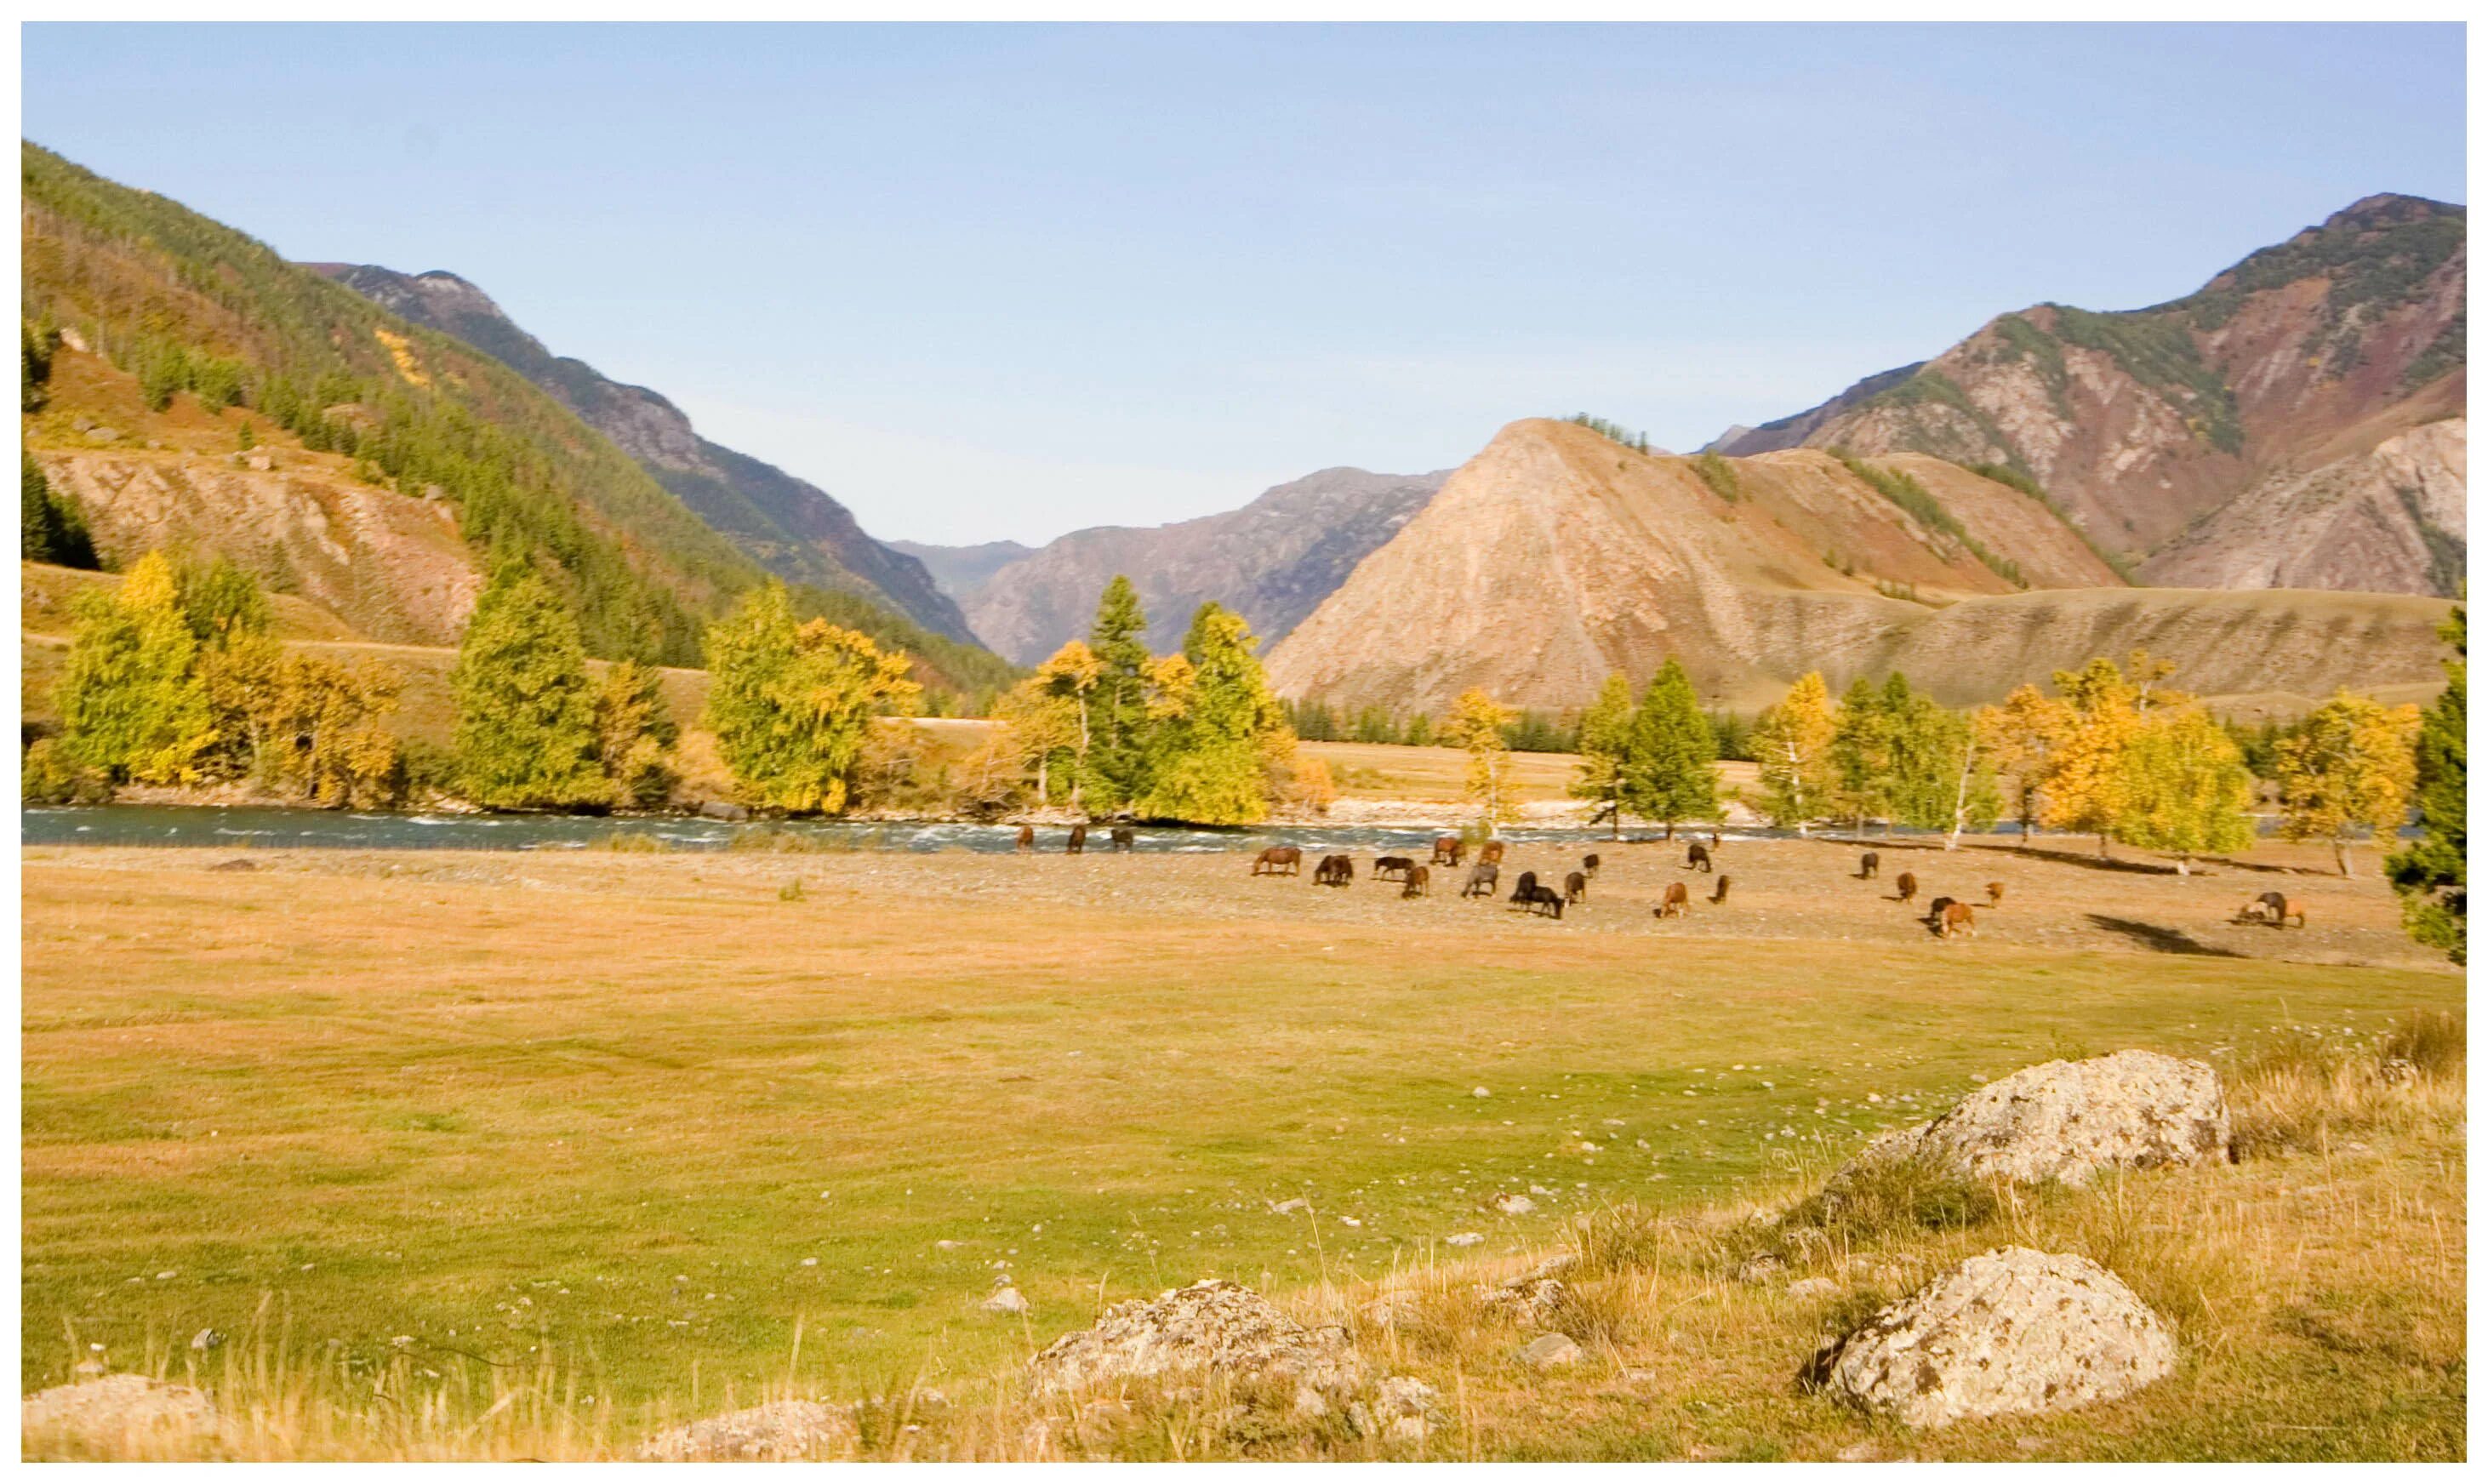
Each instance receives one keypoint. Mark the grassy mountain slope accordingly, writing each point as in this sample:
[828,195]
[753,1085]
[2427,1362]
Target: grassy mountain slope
[1556,557]
[2176,434]
[207,322]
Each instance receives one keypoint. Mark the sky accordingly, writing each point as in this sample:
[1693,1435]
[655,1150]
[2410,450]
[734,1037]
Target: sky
[1003,282]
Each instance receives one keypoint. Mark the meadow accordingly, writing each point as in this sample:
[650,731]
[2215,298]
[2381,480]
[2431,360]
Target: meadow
[672,1132]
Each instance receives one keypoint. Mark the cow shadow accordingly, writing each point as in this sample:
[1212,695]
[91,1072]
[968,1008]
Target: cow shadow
[2158,939]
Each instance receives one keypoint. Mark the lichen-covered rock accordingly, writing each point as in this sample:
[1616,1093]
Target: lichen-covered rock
[1213,1327]
[2012,1330]
[777,1432]
[118,1414]
[2064,1120]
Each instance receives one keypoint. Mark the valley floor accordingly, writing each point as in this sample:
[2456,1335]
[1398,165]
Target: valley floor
[626,1137]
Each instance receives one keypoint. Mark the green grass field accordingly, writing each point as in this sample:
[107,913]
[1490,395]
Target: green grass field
[641,1115]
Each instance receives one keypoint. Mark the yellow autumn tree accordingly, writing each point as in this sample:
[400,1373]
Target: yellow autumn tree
[2018,737]
[2350,762]
[1791,742]
[1475,727]
[2182,786]
[2084,777]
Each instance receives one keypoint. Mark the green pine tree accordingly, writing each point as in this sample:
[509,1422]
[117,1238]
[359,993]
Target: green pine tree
[1119,724]
[792,704]
[1861,752]
[525,735]
[2432,873]
[1209,764]
[1606,750]
[49,529]
[1668,774]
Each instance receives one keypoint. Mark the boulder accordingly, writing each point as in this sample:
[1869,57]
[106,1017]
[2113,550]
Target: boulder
[1549,1351]
[1214,1327]
[721,809]
[113,1414]
[2012,1330]
[777,1432]
[2064,1120]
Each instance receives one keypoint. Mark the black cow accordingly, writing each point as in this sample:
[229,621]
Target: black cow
[1122,838]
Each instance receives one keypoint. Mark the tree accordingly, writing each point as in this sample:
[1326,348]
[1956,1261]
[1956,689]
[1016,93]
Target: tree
[2086,770]
[633,731]
[1939,774]
[2347,764]
[133,706]
[1218,729]
[223,602]
[1861,750]
[1115,770]
[1054,714]
[2182,786]
[1475,727]
[2019,738]
[1668,773]
[2432,872]
[324,736]
[1606,746]
[526,734]
[791,704]
[1793,745]
[49,529]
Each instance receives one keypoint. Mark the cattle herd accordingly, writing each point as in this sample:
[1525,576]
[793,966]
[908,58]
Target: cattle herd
[1947,916]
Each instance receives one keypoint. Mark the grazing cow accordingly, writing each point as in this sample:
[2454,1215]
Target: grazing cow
[1420,883]
[1677,903]
[1936,910]
[1908,886]
[1720,894]
[1278,861]
[1335,870]
[1079,840]
[1026,837]
[2280,909]
[1491,852]
[1576,887]
[1122,838]
[1529,896]
[2254,910]
[1393,867]
[1957,918]
[1482,879]
[1521,888]
[1695,857]
[1590,867]
[1995,894]
[1448,850]
[1868,866]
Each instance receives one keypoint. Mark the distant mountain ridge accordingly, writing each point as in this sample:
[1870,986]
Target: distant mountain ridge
[2252,433]
[788,525]
[1273,560]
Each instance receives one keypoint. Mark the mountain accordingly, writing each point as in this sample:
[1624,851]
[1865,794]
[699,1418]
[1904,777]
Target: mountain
[2257,431]
[787,526]
[1272,561]
[960,570]
[1556,557]
[189,387]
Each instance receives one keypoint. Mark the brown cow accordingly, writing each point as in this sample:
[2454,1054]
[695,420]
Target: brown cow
[1491,852]
[1420,883]
[1868,866]
[1448,850]
[1482,879]
[1590,867]
[1279,860]
[1721,894]
[1079,840]
[1393,867]
[1027,836]
[1995,894]
[1677,903]
[2280,909]
[1957,918]
[1122,838]
[1695,857]
[1906,886]
[1576,887]
[1335,870]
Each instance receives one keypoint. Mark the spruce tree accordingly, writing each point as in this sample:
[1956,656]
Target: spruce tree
[2432,873]
[1861,750]
[1668,772]
[1117,771]
[49,529]
[526,734]
[1606,749]
[1212,747]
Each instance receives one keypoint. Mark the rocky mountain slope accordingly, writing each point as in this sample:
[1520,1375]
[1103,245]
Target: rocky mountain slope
[1556,557]
[788,525]
[2236,436]
[186,386]
[1272,562]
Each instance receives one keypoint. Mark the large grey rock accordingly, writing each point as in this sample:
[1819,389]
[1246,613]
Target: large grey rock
[114,1414]
[2012,1330]
[2064,1120]
[777,1432]
[1213,1327]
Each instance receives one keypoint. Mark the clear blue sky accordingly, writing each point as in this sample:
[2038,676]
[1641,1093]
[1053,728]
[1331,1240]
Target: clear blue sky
[1007,281]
